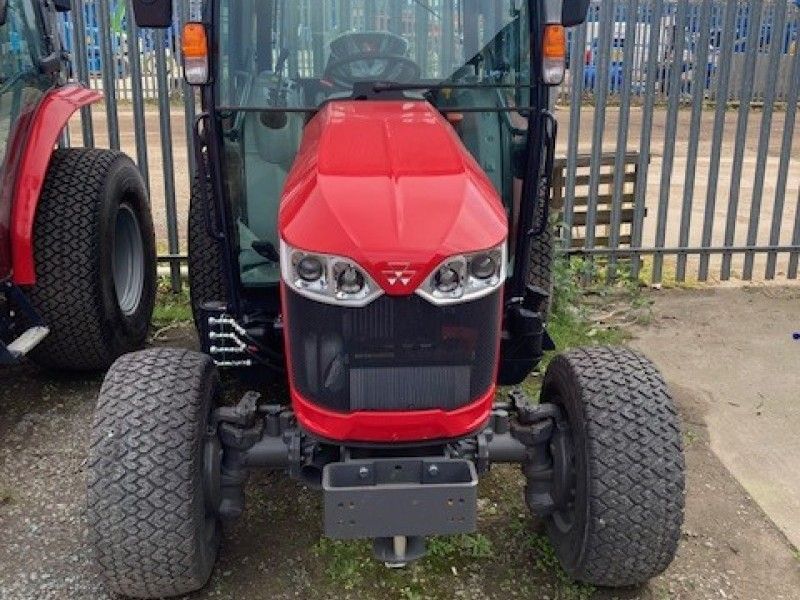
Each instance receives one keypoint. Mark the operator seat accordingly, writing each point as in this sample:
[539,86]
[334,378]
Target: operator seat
[270,141]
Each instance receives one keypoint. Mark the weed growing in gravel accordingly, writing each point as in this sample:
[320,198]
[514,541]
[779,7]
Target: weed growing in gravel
[689,437]
[171,309]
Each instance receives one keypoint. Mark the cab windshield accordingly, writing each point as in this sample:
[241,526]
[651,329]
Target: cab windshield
[308,51]
[279,60]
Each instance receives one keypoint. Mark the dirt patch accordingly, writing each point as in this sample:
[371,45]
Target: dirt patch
[729,548]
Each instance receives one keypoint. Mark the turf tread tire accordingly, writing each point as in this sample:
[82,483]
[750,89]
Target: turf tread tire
[74,291]
[206,283]
[634,479]
[146,508]
[540,269]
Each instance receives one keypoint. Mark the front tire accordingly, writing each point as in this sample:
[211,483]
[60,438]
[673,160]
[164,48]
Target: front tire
[94,247]
[628,467]
[150,522]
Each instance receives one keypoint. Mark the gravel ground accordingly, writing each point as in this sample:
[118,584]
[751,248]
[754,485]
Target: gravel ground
[729,548]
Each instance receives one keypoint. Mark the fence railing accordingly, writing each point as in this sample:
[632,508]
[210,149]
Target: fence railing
[678,153]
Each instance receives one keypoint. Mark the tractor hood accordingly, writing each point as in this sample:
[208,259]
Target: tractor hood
[389,185]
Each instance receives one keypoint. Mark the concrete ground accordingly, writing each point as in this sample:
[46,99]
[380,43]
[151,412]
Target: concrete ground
[677,184]
[734,349]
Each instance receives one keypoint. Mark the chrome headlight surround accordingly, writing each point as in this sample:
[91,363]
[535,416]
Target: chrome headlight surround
[327,288]
[469,286]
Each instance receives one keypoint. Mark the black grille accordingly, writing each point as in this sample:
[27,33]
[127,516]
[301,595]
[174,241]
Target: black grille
[397,353]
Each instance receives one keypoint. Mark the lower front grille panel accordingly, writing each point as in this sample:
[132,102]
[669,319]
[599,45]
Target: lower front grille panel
[397,353]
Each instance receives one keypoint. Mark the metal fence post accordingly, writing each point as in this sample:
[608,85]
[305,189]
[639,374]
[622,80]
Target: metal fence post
[754,27]
[674,96]
[656,11]
[721,100]
[81,67]
[698,84]
[776,48]
[134,59]
[167,160]
[622,133]
[576,99]
[108,65]
[795,254]
[601,85]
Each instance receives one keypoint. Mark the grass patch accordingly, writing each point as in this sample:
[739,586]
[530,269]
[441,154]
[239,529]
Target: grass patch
[689,437]
[171,308]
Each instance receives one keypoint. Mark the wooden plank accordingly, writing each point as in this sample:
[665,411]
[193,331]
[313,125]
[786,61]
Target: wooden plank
[605,178]
[604,200]
[608,158]
[601,242]
[603,217]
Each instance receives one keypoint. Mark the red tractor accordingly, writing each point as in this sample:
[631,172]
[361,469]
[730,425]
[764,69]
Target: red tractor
[77,249]
[369,224]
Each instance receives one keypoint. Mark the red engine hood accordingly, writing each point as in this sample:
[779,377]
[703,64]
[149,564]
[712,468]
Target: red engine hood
[390,185]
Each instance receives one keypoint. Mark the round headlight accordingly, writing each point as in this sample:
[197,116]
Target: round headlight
[483,266]
[447,279]
[309,269]
[350,280]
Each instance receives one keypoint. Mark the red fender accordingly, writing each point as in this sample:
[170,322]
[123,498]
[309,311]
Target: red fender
[49,119]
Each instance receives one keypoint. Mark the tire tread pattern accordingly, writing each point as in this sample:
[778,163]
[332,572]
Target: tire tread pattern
[145,503]
[68,262]
[205,257]
[540,269]
[67,252]
[636,463]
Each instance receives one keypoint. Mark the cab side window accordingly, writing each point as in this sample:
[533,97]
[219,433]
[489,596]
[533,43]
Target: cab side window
[21,82]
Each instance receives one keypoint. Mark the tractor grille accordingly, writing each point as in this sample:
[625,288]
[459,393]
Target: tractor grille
[396,354]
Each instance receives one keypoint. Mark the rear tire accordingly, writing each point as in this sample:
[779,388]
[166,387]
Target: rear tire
[149,524]
[205,253]
[628,463]
[95,255]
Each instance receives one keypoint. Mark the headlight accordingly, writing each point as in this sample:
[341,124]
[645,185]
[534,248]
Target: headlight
[466,277]
[327,278]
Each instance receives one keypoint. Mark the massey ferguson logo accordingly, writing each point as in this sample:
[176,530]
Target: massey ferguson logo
[399,273]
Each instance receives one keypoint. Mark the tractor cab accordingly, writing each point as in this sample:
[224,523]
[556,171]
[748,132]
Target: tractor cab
[443,87]
[471,64]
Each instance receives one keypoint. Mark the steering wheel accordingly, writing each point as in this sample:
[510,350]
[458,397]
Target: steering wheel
[382,67]
[370,56]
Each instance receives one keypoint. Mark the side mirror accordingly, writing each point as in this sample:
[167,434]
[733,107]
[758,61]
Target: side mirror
[573,12]
[153,13]
[3,11]
[62,5]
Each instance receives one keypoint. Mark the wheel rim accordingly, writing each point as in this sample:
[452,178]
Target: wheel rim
[565,517]
[128,260]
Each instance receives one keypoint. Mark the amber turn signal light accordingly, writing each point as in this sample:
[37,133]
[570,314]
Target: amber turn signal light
[554,54]
[194,45]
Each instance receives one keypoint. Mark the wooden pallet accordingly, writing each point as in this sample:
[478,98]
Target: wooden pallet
[580,213]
